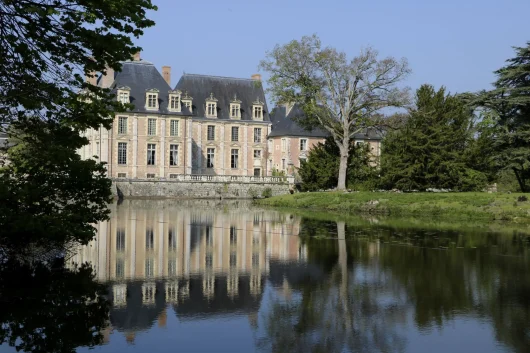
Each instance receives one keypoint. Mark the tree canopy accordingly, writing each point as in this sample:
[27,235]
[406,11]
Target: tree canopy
[341,95]
[47,47]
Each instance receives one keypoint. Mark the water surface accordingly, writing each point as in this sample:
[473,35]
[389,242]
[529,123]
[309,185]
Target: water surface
[207,276]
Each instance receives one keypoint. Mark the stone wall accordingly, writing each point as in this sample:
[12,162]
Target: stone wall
[195,189]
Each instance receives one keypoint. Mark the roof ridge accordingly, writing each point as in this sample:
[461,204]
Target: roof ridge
[215,76]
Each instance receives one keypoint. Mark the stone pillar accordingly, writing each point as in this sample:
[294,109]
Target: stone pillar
[162,173]
[135,146]
[222,165]
[189,142]
[245,149]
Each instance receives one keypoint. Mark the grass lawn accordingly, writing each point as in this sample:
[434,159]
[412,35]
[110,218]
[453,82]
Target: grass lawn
[461,206]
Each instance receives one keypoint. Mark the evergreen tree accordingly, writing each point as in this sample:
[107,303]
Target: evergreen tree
[321,169]
[509,104]
[429,151]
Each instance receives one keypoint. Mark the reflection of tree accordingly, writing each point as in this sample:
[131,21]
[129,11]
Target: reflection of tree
[48,308]
[341,313]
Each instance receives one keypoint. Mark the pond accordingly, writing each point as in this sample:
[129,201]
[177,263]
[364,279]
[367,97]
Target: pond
[212,276]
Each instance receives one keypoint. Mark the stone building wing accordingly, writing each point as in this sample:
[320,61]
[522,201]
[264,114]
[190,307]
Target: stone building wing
[225,90]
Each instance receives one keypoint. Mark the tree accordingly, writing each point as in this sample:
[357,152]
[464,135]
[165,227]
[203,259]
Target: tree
[47,47]
[339,95]
[321,169]
[509,104]
[431,149]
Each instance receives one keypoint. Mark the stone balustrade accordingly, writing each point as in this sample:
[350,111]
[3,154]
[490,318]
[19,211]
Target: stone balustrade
[238,179]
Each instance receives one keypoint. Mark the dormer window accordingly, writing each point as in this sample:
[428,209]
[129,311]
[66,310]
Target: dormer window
[187,101]
[211,106]
[123,94]
[151,99]
[257,109]
[235,108]
[174,101]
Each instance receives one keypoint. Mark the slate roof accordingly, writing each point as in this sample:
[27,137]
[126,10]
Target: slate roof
[199,87]
[283,125]
[141,76]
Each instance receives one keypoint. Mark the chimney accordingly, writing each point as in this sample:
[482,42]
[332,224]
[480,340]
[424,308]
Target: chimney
[136,56]
[288,107]
[108,78]
[91,78]
[166,73]
[256,77]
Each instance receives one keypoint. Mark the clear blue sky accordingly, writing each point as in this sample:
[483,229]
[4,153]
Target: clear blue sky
[455,43]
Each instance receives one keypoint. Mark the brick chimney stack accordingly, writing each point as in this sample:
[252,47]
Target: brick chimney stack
[166,73]
[136,56]
[91,78]
[108,77]
[256,77]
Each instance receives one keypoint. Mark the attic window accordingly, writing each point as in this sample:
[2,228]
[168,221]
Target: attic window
[123,94]
[211,106]
[151,99]
[174,101]
[257,109]
[187,101]
[235,108]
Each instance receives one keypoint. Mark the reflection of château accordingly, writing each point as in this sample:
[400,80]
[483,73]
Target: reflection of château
[208,260]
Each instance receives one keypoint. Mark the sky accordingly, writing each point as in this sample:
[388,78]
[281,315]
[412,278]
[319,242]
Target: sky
[451,43]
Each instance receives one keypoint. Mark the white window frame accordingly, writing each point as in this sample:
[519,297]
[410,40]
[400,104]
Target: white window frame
[210,157]
[173,127]
[210,128]
[174,104]
[211,106]
[234,158]
[123,95]
[173,155]
[257,137]
[284,145]
[122,154]
[122,128]
[151,147]
[235,110]
[151,99]
[257,155]
[300,144]
[236,135]
[151,123]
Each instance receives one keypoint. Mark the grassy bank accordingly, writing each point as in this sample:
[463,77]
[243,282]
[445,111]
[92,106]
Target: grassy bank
[461,206]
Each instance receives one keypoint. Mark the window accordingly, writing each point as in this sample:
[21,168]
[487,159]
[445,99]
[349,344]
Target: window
[257,154]
[120,240]
[122,175]
[233,259]
[211,133]
[151,127]
[358,143]
[284,145]
[122,125]
[152,100]
[257,172]
[210,157]
[172,239]
[234,159]
[258,112]
[151,153]
[257,135]
[120,268]
[150,176]
[174,128]
[149,239]
[234,110]
[211,109]
[122,153]
[149,272]
[283,163]
[173,154]
[123,97]
[174,103]
[303,144]
[187,104]
[235,133]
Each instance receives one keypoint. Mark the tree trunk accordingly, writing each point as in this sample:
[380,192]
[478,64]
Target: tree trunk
[343,167]
[520,180]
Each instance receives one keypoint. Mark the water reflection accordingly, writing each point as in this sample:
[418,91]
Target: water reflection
[217,276]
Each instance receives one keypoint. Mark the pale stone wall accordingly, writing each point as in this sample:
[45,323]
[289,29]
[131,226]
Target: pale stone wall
[195,189]
[291,153]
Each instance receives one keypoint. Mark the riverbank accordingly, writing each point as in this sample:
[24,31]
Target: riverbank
[461,206]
